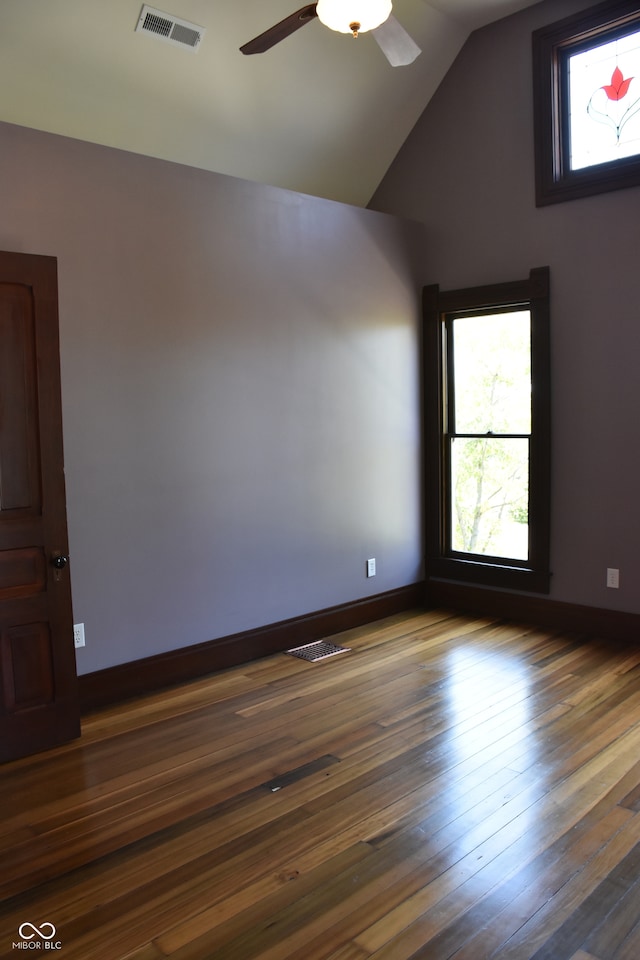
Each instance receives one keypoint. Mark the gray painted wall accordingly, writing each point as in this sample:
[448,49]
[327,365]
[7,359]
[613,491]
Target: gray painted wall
[240,392]
[467,172]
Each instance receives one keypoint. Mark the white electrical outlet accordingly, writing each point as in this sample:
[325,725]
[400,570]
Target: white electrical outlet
[78,635]
[613,578]
[371,567]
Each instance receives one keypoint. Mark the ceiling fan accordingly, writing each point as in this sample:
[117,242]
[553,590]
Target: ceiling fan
[346,16]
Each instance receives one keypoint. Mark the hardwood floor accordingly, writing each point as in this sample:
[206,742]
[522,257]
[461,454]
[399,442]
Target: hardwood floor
[450,788]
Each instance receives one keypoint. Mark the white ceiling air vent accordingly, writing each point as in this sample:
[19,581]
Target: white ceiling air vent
[169,28]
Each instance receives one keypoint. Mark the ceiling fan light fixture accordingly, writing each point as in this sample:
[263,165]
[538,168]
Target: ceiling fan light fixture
[341,15]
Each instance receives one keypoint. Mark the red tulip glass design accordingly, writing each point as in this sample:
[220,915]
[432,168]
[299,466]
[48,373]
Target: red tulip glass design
[618,87]
[611,105]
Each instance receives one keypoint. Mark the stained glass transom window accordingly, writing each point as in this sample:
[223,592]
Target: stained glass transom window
[586,73]
[604,102]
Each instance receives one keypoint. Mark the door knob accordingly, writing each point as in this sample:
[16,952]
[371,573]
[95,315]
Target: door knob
[58,561]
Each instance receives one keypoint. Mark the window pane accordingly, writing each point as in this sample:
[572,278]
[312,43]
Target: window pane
[604,102]
[492,373]
[490,497]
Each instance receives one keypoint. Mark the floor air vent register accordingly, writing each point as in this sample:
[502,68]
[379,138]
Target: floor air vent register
[320,650]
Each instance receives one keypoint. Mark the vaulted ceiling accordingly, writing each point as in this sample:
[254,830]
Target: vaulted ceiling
[320,113]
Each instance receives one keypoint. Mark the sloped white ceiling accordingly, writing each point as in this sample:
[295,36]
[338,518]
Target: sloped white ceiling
[320,113]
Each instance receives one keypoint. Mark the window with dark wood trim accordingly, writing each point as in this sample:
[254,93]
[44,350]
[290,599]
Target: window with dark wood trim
[528,568]
[557,178]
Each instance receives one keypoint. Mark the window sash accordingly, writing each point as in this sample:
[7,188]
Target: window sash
[451,520]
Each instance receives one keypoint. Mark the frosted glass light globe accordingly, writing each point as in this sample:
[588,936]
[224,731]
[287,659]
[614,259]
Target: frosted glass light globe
[340,14]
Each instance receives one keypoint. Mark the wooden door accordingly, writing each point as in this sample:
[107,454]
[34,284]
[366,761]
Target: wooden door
[38,684]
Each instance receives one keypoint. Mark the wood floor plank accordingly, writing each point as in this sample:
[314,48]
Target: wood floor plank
[629,949]
[500,914]
[550,926]
[454,788]
[615,926]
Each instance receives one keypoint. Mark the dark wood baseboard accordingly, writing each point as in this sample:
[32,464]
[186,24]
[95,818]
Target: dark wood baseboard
[613,625]
[126,680]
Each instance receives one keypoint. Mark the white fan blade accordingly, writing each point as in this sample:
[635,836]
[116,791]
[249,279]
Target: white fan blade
[395,43]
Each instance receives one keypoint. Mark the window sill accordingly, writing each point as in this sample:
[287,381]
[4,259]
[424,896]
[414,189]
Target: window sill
[489,574]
